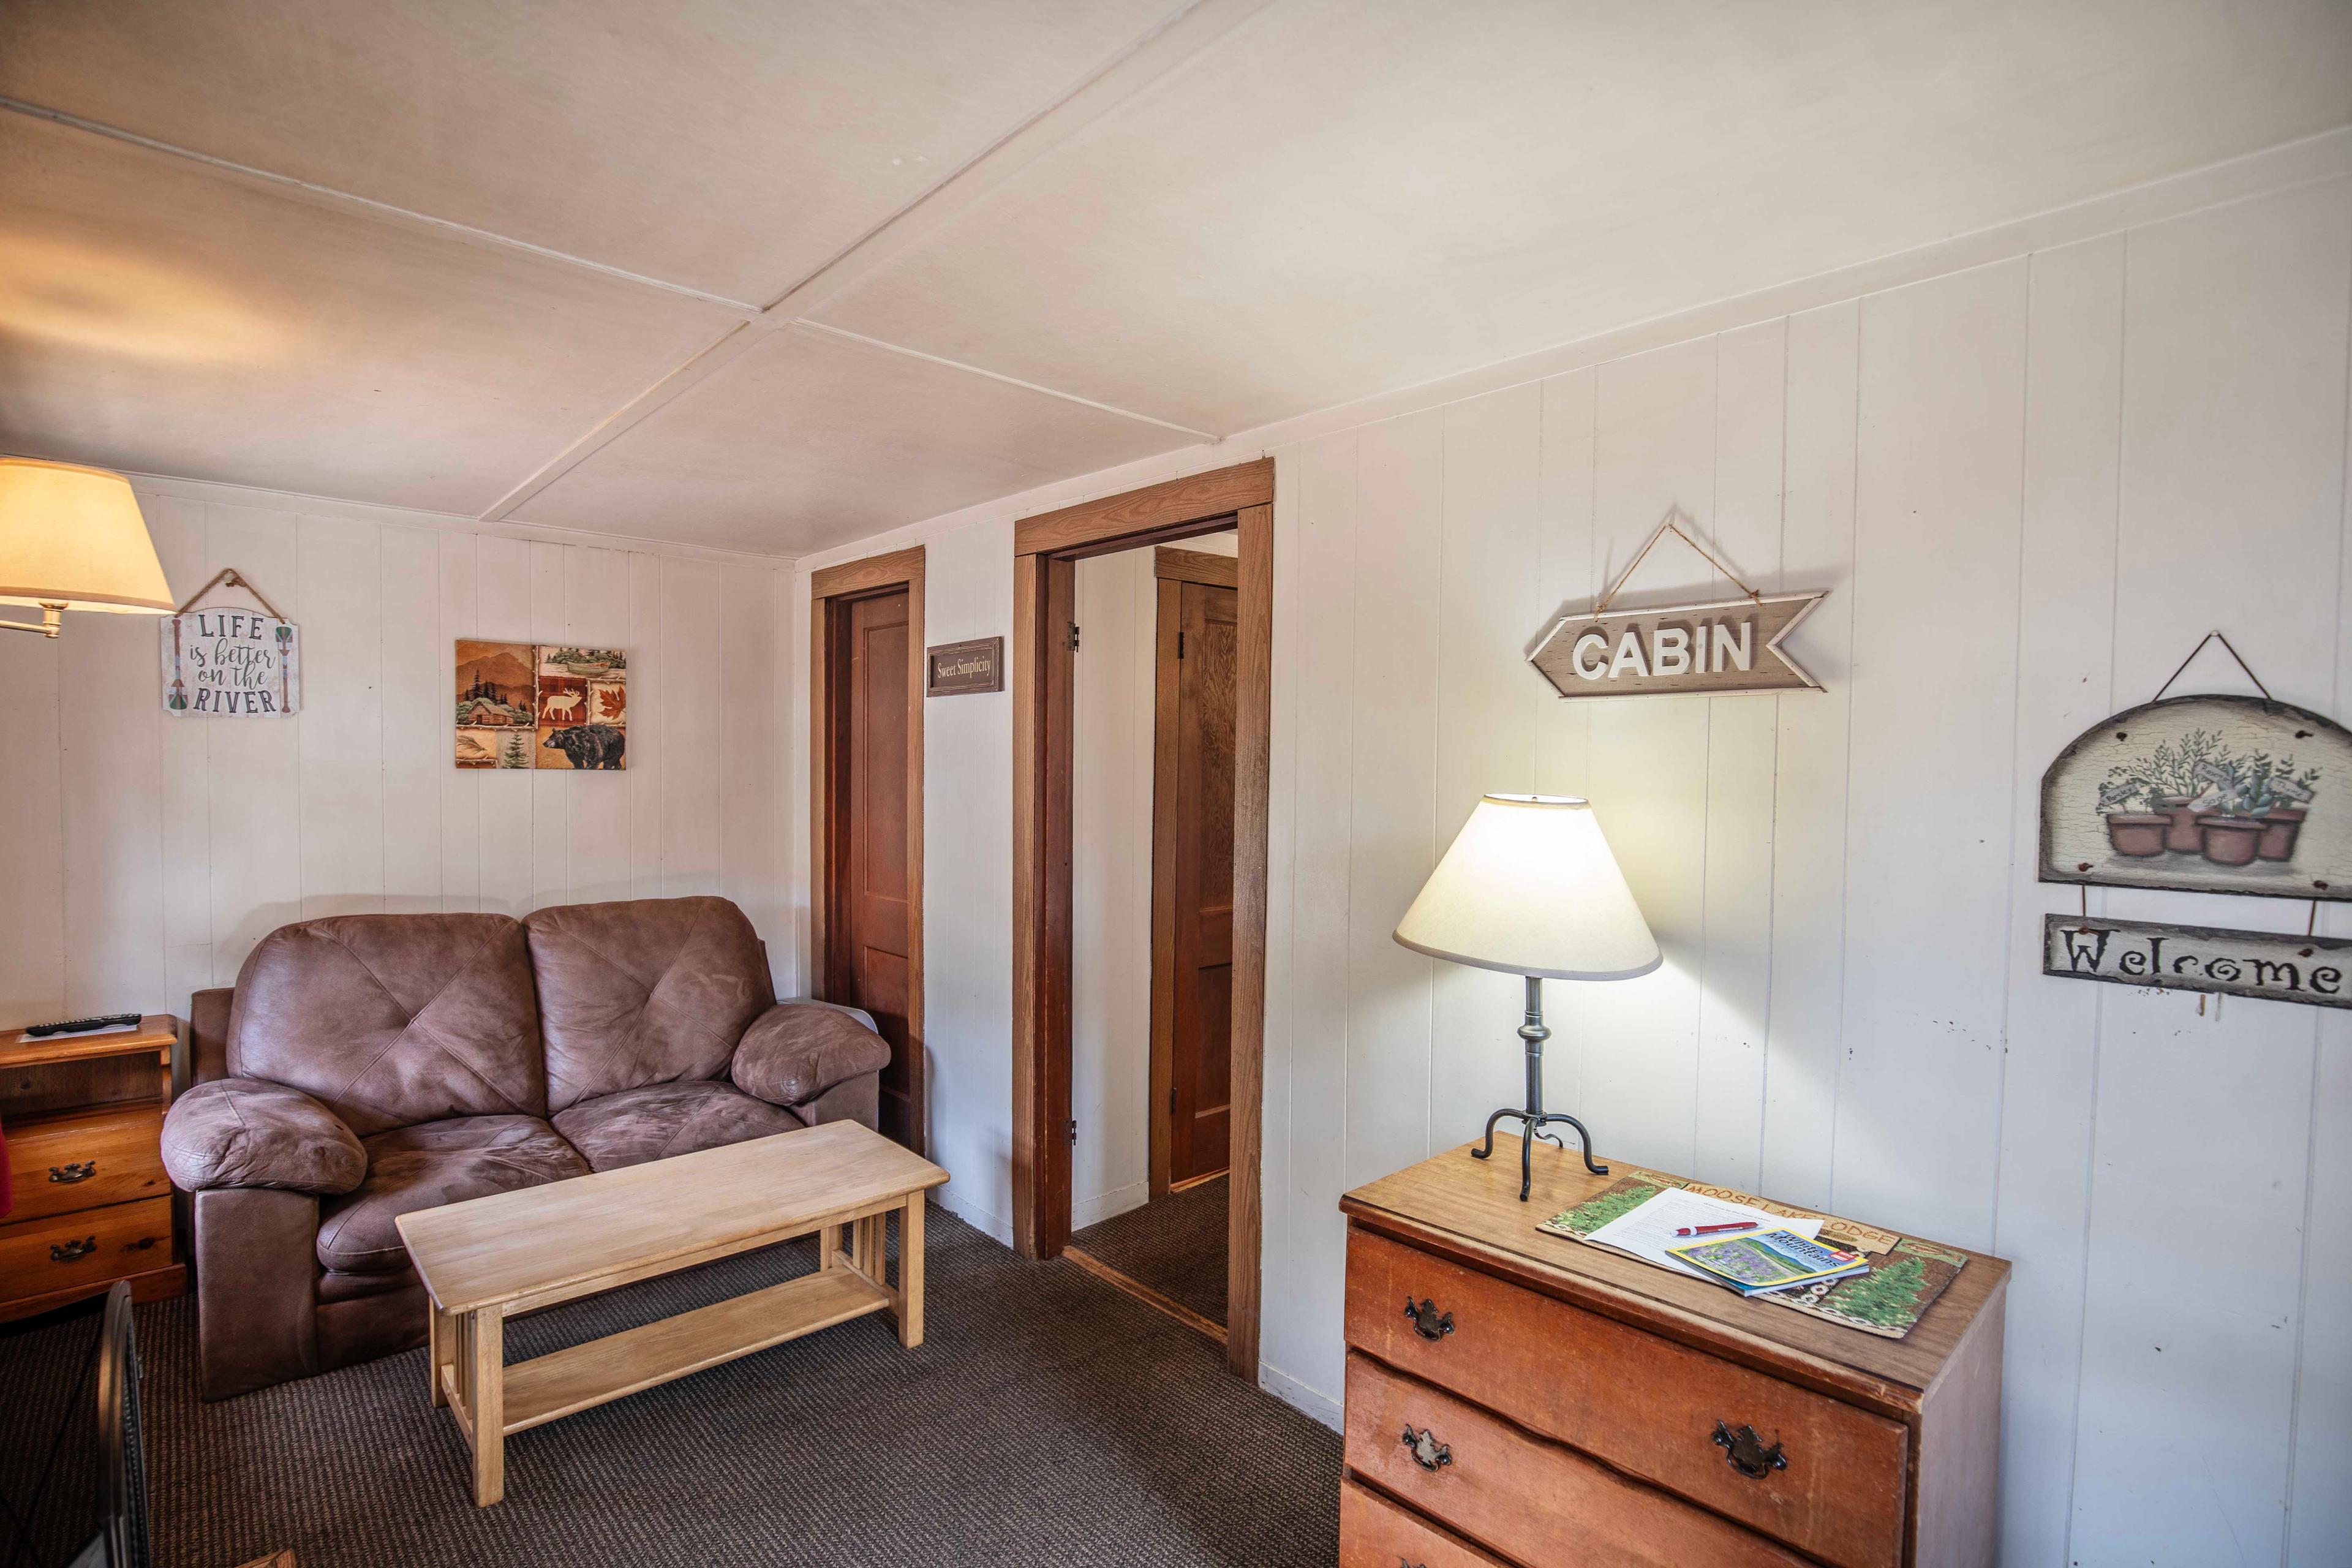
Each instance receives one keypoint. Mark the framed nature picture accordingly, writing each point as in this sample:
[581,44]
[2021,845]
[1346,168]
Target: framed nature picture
[525,705]
[2214,794]
[495,699]
[583,708]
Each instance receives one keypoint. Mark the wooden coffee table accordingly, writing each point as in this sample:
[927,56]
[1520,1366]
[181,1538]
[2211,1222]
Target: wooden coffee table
[489,1259]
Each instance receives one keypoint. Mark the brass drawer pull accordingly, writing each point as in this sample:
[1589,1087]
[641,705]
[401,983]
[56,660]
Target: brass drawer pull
[67,1174]
[1426,1450]
[1746,1452]
[67,1251]
[1426,1322]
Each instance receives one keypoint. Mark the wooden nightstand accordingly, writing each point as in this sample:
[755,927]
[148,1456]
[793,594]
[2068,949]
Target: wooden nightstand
[1516,1397]
[84,1116]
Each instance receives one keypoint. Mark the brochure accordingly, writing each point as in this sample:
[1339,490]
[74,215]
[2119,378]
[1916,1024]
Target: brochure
[1758,1261]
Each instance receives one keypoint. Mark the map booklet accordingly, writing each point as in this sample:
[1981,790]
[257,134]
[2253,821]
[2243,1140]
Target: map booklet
[1756,1263]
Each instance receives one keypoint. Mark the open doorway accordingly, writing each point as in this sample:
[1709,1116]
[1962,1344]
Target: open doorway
[1046,638]
[1152,861]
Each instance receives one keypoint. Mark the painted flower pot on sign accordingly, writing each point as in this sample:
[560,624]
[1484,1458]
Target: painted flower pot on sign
[2231,840]
[2183,837]
[2139,833]
[2279,831]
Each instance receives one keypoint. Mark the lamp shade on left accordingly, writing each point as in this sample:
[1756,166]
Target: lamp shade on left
[73,536]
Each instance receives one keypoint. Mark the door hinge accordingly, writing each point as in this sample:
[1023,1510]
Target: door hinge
[1073,1131]
[1074,636]
[1180,645]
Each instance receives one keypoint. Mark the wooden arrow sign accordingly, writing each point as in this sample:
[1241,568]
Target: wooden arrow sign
[1734,646]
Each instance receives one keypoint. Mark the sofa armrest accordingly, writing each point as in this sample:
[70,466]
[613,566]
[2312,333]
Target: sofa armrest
[243,1132]
[796,1051]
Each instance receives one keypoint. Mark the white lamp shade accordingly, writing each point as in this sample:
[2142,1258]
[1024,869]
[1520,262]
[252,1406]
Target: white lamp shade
[73,536]
[1529,887]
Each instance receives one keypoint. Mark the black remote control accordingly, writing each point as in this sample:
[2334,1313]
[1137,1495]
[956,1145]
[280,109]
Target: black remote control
[81,1026]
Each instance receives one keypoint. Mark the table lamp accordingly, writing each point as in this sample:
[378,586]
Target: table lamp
[71,539]
[1529,887]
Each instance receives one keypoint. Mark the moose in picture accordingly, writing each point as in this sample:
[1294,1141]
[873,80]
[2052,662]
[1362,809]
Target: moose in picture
[2224,795]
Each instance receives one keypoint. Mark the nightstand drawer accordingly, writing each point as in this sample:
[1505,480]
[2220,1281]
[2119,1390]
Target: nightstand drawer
[1376,1533]
[86,1160]
[1814,1472]
[87,1249]
[1528,1499]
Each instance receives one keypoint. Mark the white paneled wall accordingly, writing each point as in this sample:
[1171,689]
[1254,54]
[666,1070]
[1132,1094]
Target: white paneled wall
[2031,484]
[2032,487]
[145,854]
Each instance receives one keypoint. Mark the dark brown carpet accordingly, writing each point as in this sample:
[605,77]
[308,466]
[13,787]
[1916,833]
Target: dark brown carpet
[1176,1245]
[1047,1418]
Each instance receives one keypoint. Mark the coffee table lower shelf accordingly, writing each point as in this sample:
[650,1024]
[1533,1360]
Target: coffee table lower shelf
[567,1381]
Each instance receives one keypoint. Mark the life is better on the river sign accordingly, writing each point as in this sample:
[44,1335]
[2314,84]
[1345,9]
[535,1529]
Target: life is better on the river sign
[2279,968]
[1711,649]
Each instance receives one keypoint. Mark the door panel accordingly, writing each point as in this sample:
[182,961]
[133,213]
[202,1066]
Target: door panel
[869,654]
[1194,880]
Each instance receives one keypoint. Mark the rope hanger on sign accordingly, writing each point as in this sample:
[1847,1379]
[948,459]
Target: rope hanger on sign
[2214,635]
[1675,517]
[229,577]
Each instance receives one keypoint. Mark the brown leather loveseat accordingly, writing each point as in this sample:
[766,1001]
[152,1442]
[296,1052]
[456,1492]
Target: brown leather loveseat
[367,1066]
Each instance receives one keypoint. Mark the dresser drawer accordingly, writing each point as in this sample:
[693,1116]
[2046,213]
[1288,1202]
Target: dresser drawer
[61,1163]
[90,1248]
[1644,1404]
[1530,1501]
[1376,1533]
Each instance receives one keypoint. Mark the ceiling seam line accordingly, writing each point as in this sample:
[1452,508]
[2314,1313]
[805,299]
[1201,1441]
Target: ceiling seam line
[968,369]
[672,384]
[328,194]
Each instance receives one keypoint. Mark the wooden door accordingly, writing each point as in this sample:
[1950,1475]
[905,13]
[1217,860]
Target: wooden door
[869,902]
[1192,885]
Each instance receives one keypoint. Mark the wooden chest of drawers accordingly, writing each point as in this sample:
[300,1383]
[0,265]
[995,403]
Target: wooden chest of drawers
[1557,1403]
[84,1119]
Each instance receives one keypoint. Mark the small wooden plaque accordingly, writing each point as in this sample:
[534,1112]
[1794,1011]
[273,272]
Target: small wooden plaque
[958,668]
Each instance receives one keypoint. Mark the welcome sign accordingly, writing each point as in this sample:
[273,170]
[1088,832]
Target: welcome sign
[231,664]
[2311,968]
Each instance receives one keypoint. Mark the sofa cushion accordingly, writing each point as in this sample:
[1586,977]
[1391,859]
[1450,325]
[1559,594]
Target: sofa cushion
[665,1119]
[391,1020]
[654,991]
[430,1164]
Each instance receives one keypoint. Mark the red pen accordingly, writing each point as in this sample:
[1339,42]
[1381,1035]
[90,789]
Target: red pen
[1715,1229]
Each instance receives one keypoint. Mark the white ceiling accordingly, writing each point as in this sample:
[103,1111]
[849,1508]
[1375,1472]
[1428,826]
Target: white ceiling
[778,275]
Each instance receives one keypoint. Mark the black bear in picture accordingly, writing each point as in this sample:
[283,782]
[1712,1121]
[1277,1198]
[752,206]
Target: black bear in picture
[589,745]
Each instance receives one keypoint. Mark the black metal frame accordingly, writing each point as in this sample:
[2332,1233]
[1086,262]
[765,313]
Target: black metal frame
[1534,1119]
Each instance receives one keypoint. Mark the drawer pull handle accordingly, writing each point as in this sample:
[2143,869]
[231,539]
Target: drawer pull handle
[67,1174]
[1404,1561]
[1426,1450]
[1746,1452]
[67,1251]
[1426,1322]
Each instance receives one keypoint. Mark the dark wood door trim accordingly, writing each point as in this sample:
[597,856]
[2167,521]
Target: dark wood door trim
[1173,509]
[1046,549]
[851,580]
[1172,566]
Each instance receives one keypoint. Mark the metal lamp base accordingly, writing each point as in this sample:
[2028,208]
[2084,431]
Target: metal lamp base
[1534,1119]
